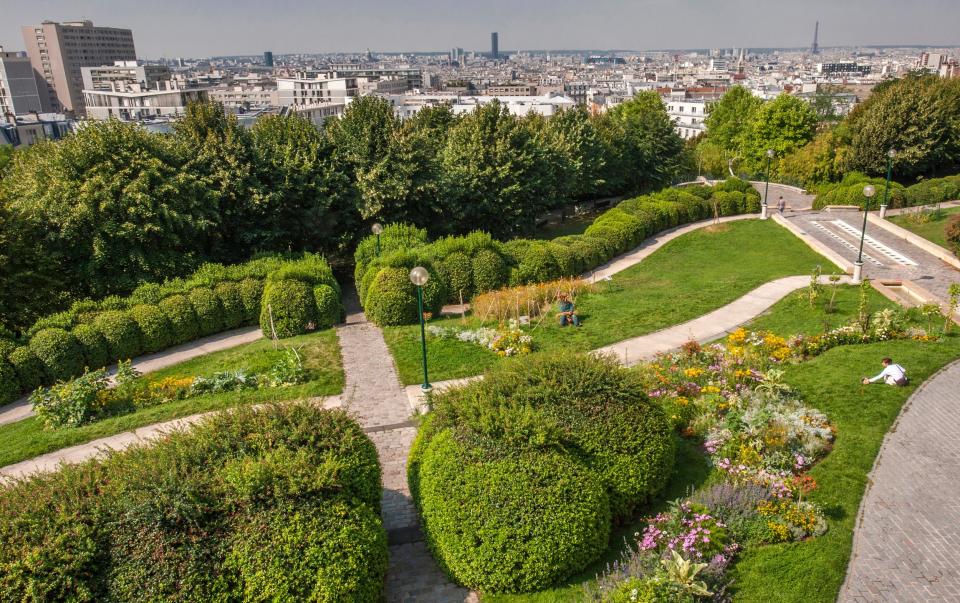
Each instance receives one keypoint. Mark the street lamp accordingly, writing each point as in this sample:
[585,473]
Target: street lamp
[766,188]
[886,192]
[868,193]
[419,277]
[377,229]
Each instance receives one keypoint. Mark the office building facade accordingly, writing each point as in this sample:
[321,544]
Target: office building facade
[19,89]
[59,51]
[495,45]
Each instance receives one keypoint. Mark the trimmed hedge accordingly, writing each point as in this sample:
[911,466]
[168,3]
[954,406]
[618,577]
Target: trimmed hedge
[59,352]
[328,306]
[121,332]
[850,192]
[209,310]
[9,383]
[279,503]
[518,476]
[292,306]
[183,318]
[395,237]
[935,190]
[234,311]
[29,369]
[457,270]
[155,328]
[251,292]
[952,234]
[490,270]
[392,298]
[96,353]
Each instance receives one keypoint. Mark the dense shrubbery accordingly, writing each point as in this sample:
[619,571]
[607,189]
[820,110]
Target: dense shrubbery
[929,192]
[59,352]
[279,503]
[288,309]
[850,192]
[476,263]
[518,476]
[952,233]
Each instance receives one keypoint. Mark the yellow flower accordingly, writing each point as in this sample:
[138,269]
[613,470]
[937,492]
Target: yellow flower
[710,389]
[738,336]
[693,372]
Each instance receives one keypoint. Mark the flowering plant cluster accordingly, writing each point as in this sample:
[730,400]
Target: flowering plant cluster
[507,340]
[690,530]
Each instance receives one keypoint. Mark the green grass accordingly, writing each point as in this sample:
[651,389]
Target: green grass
[28,438]
[688,277]
[933,230]
[793,315]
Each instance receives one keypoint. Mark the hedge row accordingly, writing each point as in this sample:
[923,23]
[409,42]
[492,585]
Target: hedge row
[462,267]
[276,504]
[850,192]
[936,190]
[517,477]
[301,293]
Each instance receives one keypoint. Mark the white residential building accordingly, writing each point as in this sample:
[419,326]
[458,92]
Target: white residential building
[408,105]
[688,115]
[308,88]
[137,105]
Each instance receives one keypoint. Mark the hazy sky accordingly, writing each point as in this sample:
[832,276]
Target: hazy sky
[199,28]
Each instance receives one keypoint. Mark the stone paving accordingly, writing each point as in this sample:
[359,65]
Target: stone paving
[930,272]
[905,543]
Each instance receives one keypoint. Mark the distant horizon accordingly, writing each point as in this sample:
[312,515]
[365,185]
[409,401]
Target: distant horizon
[205,28]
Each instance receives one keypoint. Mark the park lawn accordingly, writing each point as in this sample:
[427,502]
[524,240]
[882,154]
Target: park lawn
[794,315]
[321,352]
[690,276]
[933,230]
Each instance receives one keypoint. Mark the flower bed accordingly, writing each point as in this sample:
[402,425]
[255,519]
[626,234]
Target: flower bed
[507,340]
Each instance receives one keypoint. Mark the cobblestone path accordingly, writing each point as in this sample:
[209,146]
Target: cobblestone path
[905,543]
[373,395]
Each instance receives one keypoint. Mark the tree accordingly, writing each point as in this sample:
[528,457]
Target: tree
[651,149]
[104,209]
[784,124]
[217,150]
[919,116]
[6,155]
[728,119]
[305,201]
[578,151]
[824,159]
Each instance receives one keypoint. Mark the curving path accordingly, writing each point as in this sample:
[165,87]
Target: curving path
[905,543]
[22,409]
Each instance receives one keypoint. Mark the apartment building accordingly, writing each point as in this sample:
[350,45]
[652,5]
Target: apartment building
[19,91]
[309,88]
[516,89]
[688,115]
[137,104]
[59,51]
[123,74]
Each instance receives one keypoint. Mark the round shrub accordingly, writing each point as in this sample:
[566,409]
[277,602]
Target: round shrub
[251,294]
[457,269]
[59,352]
[209,310]
[536,266]
[29,369]
[147,293]
[392,298]
[952,233]
[96,353]
[233,309]
[9,384]
[155,328]
[183,319]
[489,271]
[292,306]
[121,332]
[513,524]
[328,306]
[566,260]
[325,552]
[394,237]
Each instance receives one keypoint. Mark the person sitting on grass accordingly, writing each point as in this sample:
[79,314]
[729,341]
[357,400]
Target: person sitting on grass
[567,315]
[892,374]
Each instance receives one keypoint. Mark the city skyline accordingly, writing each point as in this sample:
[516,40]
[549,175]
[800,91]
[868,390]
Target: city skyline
[184,29]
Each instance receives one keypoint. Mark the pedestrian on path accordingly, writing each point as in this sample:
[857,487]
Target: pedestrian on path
[892,374]
[781,205]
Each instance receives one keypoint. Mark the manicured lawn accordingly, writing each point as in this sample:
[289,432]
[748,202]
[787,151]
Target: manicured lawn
[793,315]
[26,439]
[933,230]
[690,276]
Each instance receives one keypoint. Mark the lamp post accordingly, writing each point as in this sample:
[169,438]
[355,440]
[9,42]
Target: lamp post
[886,191]
[377,229]
[766,188]
[868,193]
[419,277]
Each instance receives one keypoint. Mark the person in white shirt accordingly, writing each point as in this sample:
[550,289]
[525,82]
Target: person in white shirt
[892,374]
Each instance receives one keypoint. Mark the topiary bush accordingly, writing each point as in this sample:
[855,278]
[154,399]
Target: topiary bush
[952,233]
[96,352]
[328,306]
[251,294]
[457,270]
[29,369]
[489,271]
[392,298]
[536,265]
[122,333]
[233,310]
[183,318]
[291,305]
[394,237]
[581,424]
[208,309]
[59,352]
[9,384]
[155,328]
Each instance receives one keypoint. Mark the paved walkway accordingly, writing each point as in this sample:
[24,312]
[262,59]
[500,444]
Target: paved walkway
[21,409]
[905,543]
[915,208]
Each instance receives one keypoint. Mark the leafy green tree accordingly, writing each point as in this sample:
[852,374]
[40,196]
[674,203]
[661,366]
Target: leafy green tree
[919,116]
[305,201]
[217,151]
[650,149]
[824,159]
[729,119]
[6,155]
[105,208]
[577,150]
[495,174]
[784,124]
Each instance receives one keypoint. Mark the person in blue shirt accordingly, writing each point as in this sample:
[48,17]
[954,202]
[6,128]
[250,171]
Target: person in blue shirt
[567,314]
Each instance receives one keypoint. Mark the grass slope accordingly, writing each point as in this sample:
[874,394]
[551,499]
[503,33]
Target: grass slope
[27,439]
[688,277]
[933,230]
